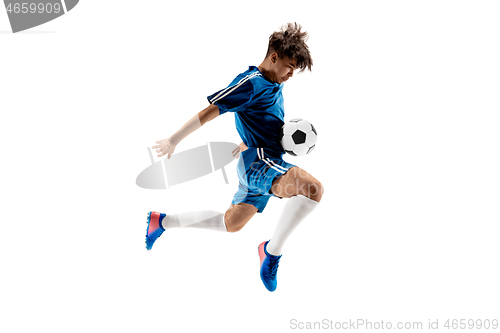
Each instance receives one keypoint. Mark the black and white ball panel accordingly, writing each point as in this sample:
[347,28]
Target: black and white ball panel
[298,137]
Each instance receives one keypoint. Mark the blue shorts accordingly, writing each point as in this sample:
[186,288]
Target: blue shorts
[257,169]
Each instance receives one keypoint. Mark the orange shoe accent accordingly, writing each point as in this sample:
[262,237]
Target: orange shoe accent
[154,223]
[262,254]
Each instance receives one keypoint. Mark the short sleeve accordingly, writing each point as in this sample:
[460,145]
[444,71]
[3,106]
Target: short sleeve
[235,98]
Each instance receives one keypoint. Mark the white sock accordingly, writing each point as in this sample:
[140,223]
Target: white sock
[296,209]
[205,219]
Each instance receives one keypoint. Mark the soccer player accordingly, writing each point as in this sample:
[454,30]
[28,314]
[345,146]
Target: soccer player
[255,97]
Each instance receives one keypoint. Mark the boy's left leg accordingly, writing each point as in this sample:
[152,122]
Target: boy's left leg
[304,193]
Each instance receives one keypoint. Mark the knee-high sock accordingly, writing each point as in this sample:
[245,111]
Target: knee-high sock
[296,210]
[205,219]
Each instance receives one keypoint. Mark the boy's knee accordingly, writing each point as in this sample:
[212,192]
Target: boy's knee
[315,190]
[233,224]
[234,228]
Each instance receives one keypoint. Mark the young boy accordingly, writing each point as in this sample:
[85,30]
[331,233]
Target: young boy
[255,97]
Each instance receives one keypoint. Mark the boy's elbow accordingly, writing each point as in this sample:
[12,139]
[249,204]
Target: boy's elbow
[211,112]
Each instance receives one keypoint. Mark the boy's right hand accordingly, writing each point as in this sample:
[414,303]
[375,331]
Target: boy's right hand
[165,147]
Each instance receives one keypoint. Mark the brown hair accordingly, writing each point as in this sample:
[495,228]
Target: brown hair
[290,42]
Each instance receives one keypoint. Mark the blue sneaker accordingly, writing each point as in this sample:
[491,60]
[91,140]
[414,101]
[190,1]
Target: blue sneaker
[268,267]
[155,229]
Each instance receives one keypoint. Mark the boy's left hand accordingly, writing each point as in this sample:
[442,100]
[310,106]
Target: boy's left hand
[239,149]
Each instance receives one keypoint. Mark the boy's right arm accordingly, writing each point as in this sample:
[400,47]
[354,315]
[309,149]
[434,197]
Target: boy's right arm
[167,146]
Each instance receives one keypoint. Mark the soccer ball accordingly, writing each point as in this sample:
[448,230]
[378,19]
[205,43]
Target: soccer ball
[298,137]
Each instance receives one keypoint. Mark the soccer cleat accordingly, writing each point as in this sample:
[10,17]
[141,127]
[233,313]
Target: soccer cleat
[268,267]
[155,229]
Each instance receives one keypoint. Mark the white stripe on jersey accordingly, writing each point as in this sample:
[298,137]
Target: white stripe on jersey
[240,82]
[225,92]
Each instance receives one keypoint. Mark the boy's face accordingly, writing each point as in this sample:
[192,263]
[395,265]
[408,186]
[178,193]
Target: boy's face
[282,68]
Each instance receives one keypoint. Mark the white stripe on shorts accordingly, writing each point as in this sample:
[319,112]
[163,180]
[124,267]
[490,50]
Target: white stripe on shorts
[267,162]
[260,153]
[277,165]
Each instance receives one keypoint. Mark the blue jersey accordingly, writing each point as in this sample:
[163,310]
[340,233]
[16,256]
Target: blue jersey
[258,109]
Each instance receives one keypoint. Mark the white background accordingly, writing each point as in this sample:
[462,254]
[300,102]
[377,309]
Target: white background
[405,99]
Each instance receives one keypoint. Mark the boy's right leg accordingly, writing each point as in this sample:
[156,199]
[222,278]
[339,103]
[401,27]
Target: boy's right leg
[233,220]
